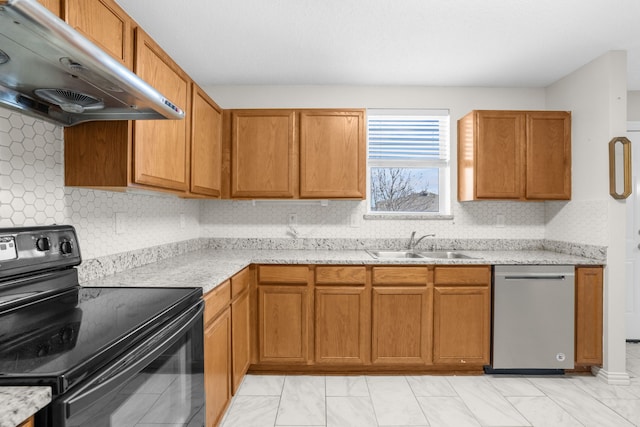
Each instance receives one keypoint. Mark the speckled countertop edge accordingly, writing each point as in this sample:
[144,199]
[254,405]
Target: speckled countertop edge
[208,268]
[19,403]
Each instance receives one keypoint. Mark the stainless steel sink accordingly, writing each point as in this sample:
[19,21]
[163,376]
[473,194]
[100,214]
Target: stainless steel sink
[393,254]
[445,255]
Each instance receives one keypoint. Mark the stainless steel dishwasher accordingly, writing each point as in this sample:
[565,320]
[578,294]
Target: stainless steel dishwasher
[533,318]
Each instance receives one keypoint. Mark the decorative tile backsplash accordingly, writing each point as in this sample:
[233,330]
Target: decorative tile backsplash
[344,219]
[32,192]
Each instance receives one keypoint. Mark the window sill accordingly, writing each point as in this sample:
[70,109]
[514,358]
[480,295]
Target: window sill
[391,216]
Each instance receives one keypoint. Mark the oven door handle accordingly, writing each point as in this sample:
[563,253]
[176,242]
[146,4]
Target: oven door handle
[140,356]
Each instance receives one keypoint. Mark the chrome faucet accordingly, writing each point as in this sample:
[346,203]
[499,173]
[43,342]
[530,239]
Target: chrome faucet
[413,242]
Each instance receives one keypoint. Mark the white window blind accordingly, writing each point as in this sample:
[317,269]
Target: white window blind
[415,136]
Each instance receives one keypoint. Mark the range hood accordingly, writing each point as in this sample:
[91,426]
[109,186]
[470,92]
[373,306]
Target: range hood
[50,71]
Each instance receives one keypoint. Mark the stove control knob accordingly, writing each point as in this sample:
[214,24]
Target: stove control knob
[65,247]
[43,244]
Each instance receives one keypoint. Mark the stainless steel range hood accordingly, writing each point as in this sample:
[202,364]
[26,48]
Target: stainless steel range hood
[50,71]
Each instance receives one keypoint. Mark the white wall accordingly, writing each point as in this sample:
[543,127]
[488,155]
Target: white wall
[471,220]
[32,192]
[596,94]
[633,105]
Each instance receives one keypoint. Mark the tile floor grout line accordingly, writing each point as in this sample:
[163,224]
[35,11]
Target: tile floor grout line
[413,392]
[275,421]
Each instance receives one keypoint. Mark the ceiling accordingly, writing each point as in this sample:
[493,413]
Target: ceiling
[490,43]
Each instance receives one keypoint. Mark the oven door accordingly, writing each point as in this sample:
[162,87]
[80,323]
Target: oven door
[159,382]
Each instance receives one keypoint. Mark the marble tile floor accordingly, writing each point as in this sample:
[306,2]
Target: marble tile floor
[437,401]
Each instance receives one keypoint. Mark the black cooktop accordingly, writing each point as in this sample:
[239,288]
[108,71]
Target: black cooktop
[61,339]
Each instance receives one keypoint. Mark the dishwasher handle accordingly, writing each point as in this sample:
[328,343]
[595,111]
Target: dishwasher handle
[536,277]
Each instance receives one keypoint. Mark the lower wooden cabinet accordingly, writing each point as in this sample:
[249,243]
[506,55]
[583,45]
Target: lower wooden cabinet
[217,367]
[226,343]
[240,337]
[217,352]
[401,315]
[342,325]
[588,315]
[28,423]
[401,325]
[462,315]
[283,324]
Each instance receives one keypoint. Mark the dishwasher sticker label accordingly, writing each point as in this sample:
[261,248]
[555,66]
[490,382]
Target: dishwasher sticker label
[560,357]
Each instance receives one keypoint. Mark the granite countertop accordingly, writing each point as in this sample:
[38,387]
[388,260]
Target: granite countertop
[19,403]
[209,267]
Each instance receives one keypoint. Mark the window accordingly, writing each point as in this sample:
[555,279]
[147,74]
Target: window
[408,161]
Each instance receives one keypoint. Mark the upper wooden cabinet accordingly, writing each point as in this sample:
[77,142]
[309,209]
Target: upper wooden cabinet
[104,23]
[161,147]
[264,157]
[54,6]
[153,154]
[332,154]
[206,144]
[297,154]
[516,155]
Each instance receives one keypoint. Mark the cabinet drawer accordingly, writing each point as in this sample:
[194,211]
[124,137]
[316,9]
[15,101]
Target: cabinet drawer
[463,275]
[400,275]
[340,275]
[240,282]
[216,300]
[279,274]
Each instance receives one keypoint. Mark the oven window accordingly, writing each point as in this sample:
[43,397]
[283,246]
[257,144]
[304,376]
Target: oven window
[167,392]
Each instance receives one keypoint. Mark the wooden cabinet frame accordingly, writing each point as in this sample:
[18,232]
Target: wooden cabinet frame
[293,154]
[514,155]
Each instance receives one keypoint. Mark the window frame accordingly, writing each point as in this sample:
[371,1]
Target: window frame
[443,166]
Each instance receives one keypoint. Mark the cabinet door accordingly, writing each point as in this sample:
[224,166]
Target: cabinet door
[332,154]
[283,324]
[400,325]
[263,154]
[589,315]
[206,144]
[217,367]
[105,24]
[461,325]
[240,338]
[342,326]
[499,151]
[54,6]
[161,147]
[28,423]
[548,155]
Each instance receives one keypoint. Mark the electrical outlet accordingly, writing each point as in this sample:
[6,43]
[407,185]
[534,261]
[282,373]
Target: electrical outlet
[292,219]
[500,221]
[183,221]
[354,220]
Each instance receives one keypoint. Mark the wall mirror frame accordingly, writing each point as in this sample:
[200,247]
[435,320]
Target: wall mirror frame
[620,167]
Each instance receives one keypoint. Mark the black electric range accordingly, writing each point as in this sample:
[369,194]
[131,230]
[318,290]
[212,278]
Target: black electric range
[56,333]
